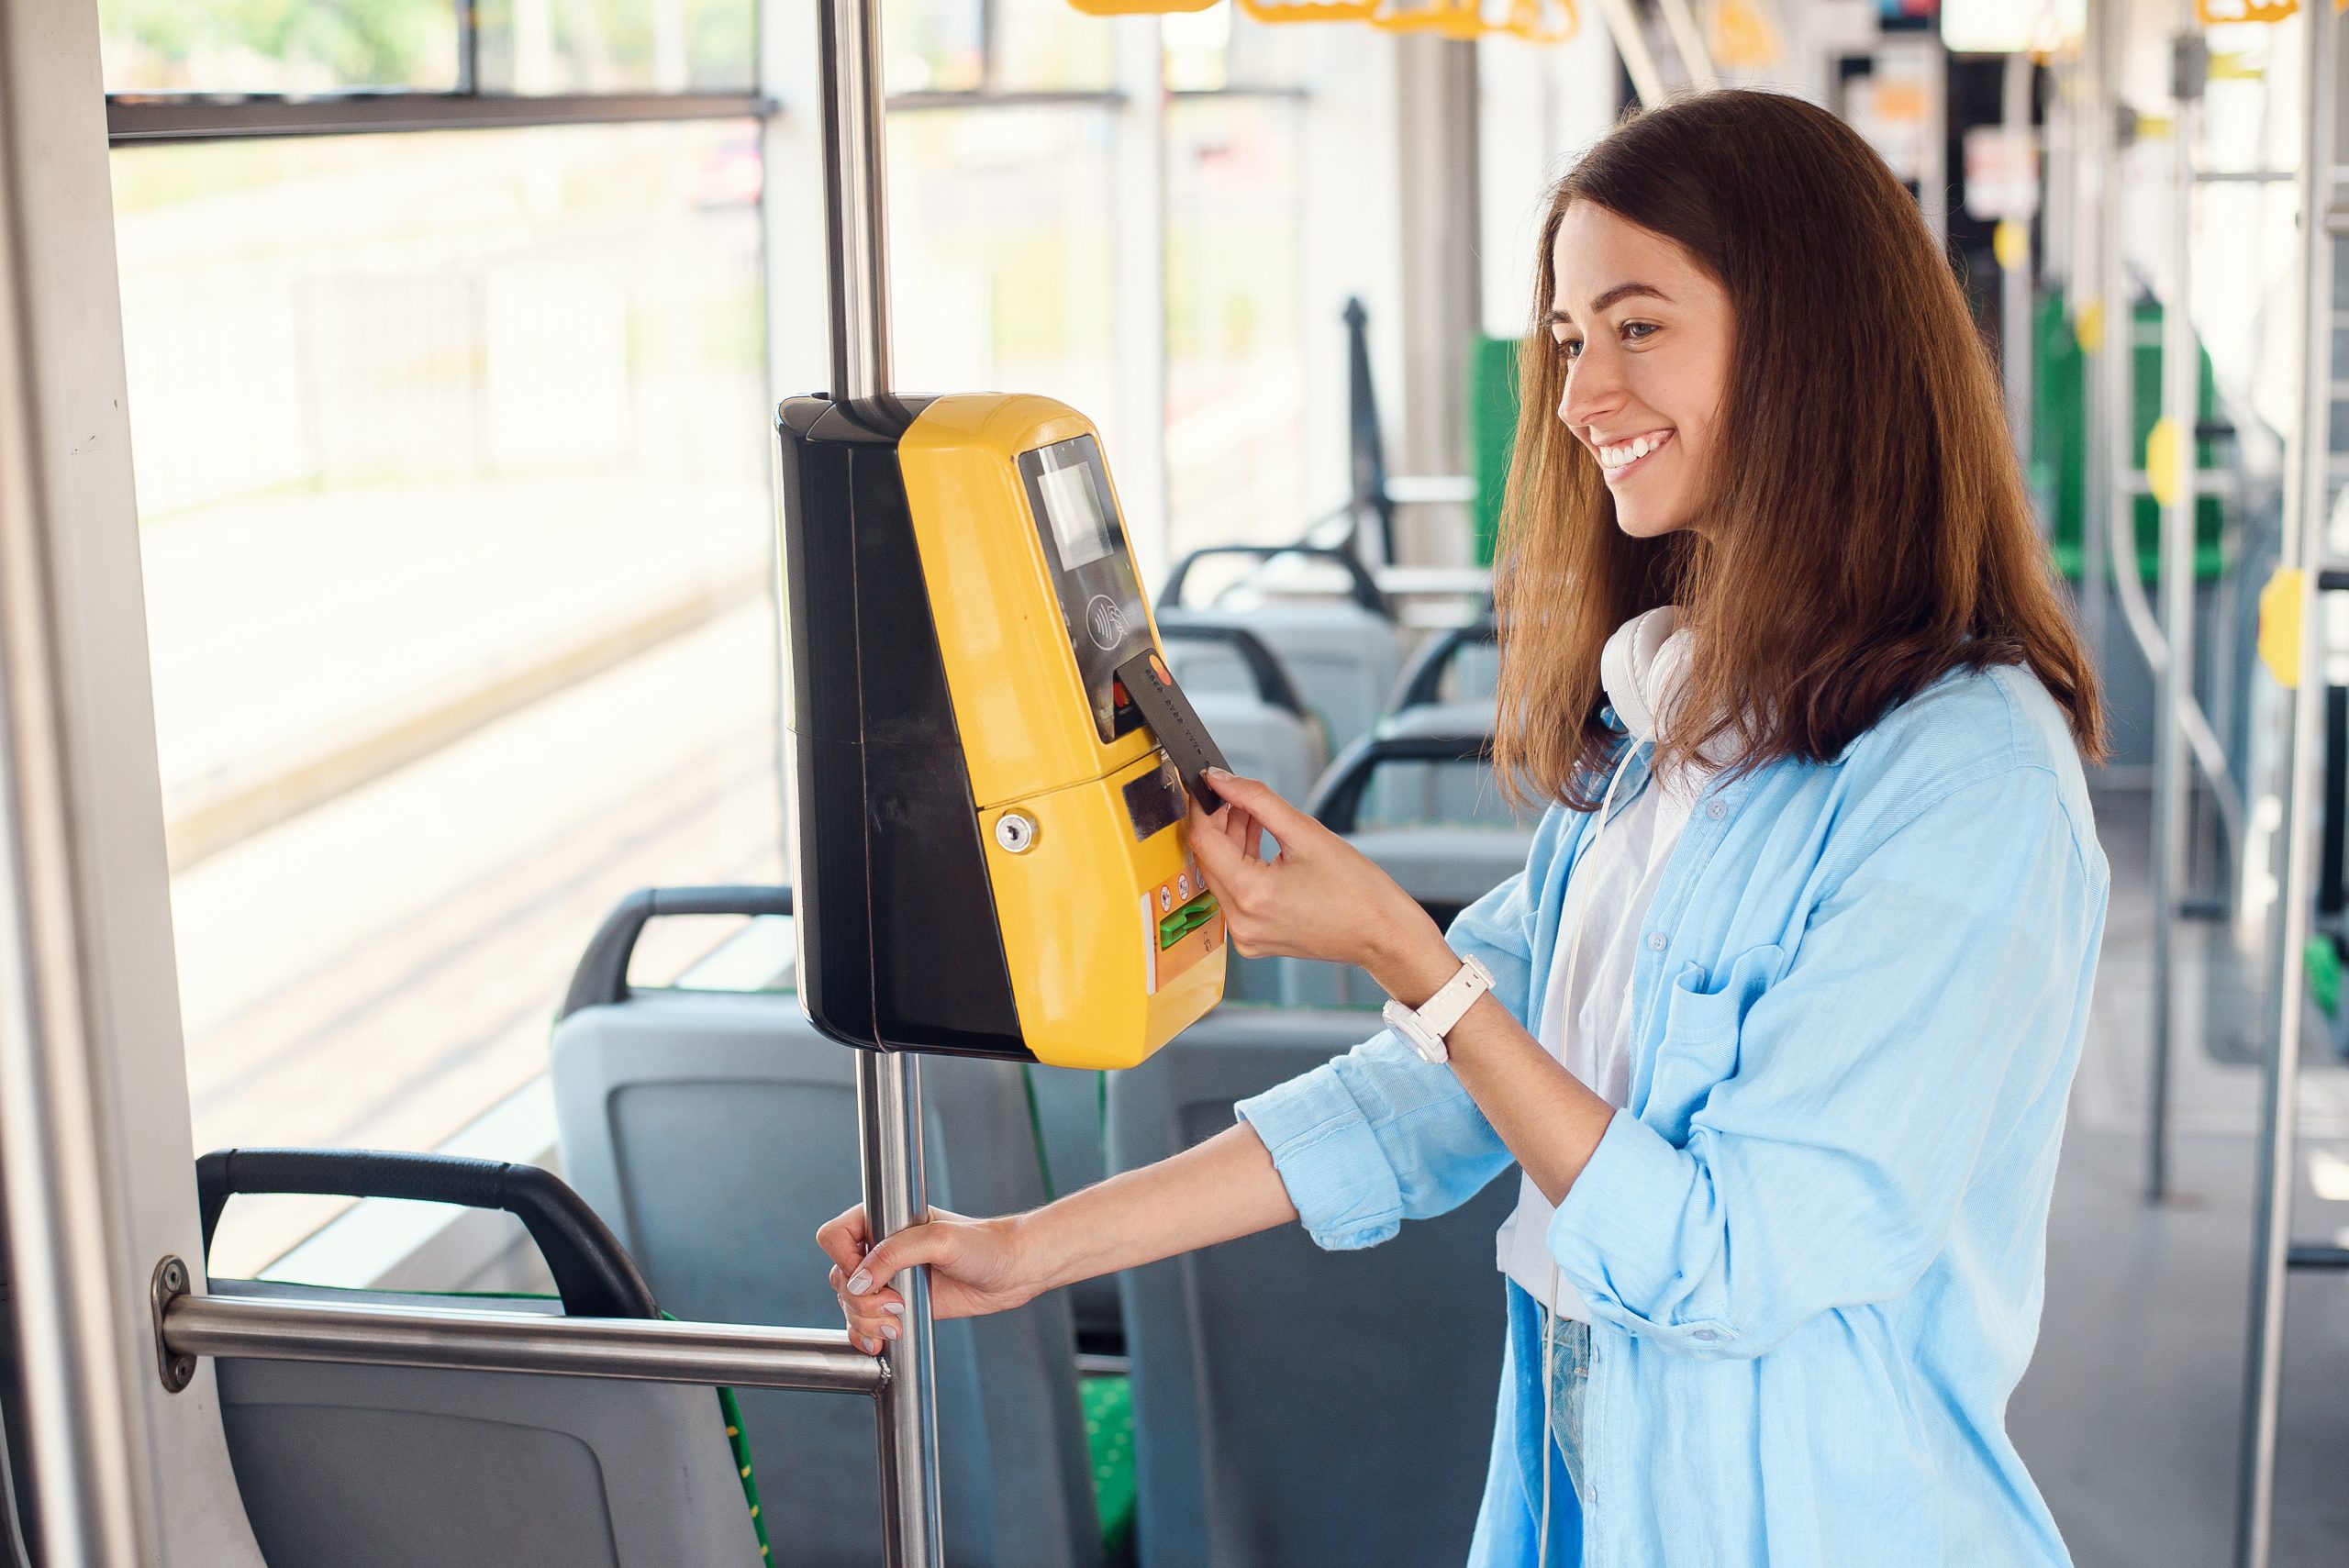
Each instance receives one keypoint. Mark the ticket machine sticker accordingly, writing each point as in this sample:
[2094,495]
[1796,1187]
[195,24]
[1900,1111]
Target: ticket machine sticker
[1182,923]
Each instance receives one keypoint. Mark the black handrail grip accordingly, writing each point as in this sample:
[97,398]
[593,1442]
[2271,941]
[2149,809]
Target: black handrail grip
[1336,801]
[593,1273]
[1364,587]
[1423,682]
[1274,688]
[601,979]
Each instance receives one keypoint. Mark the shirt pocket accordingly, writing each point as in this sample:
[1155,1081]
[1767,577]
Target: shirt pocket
[1703,1012]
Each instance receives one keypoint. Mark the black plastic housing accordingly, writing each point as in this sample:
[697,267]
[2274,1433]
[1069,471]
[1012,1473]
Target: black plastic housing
[898,944]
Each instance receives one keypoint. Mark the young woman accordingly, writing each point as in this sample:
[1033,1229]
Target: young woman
[1778,1023]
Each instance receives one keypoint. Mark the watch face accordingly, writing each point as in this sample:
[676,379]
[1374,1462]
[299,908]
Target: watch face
[1404,1022]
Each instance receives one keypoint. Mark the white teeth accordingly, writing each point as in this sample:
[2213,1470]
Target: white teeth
[1631,451]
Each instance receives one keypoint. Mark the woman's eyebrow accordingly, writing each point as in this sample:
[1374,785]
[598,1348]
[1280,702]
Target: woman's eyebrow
[1561,316]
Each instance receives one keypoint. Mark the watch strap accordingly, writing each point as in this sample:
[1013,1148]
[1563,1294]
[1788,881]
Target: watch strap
[1427,1026]
[1446,1008]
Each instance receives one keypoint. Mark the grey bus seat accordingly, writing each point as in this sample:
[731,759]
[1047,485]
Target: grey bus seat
[1298,1408]
[348,1466]
[1261,741]
[1445,789]
[1343,653]
[716,1132]
[1445,865]
[1069,1107]
[1252,710]
[1460,664]
[1343,658]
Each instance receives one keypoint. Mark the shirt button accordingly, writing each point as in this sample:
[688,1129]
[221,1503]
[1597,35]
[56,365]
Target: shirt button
[1707,1335]
[1718,810]
[1656,942]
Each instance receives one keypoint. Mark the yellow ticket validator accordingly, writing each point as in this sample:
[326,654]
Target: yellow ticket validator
[991,857]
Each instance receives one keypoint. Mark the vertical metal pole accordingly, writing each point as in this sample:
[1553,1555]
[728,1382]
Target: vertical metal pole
[468,47]
[856,207]
[2095,276]
[1933,170]
[2015,324]
[2306,506]
[1688,39]
[2174,676]
[888,1104]
[1621,21]
[888,1084]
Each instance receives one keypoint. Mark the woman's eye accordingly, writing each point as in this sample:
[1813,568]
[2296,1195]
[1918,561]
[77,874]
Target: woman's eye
[1572,347]
[1638,331]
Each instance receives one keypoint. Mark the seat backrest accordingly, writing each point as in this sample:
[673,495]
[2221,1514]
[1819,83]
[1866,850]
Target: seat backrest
[1261,741]
[1404,792]
[715,1132]
[1342,659]
[345,1466]
[1446,867]
[1298,1408]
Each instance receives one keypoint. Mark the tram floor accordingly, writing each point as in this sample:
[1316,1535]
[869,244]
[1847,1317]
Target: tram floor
[2131,1413]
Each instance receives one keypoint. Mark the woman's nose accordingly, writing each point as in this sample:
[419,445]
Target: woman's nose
[1593,389]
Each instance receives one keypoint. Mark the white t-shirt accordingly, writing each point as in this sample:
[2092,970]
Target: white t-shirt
[1607,903]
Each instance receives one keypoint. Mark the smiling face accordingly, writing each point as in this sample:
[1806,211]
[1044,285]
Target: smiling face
[1647,334]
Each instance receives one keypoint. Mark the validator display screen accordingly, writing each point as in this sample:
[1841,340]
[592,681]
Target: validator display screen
[1093,569]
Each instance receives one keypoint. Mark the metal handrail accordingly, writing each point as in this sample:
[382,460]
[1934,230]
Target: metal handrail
[734,1355]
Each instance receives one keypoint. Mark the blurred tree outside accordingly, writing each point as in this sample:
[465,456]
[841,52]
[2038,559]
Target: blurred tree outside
[277,45]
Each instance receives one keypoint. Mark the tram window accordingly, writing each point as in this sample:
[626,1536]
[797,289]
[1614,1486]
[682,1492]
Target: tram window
[1000,243]
[287,46]
[457,559]
[934,46]
[1045,46]
[617,46]
[1222,48]
[1236,378]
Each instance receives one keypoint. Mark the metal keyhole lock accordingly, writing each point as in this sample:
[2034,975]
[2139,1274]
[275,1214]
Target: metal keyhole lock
[1015,831]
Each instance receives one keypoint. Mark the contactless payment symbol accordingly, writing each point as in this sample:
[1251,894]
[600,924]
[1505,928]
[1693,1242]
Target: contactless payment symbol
[1105,622]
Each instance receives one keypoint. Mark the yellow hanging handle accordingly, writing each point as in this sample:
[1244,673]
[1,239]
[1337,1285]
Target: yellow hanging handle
[2010,242]
[2088,326]
[2208,13]
[1449,18]
[1311,10]
[2279,625]
[1542,21]
[1140,8]
[2169,472]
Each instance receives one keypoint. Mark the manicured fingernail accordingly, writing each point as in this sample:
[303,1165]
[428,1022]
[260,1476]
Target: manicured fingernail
[1219,773]
[859,1281]
[888,1330]
[872,1347]
[894,1309]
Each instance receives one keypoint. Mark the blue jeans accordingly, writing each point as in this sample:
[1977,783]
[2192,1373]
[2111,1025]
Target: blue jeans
[1569,1385]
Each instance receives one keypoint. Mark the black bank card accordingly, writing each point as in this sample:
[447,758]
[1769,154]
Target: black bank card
[1176,725]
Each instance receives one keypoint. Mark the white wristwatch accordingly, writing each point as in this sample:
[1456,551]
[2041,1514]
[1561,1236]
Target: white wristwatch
[1426,1028]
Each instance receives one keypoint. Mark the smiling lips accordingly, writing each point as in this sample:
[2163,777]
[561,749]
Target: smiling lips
[1620,459]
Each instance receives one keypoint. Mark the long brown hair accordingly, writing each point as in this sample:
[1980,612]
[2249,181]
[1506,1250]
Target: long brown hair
[1867,529]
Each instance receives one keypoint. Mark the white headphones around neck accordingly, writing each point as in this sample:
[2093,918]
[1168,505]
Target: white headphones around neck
[1639,666]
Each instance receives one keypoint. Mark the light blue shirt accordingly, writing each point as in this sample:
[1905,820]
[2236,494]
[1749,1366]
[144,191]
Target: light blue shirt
[1813,1244]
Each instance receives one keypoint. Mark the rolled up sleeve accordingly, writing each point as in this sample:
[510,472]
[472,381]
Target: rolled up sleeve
[1939,980]
[1379,1136]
